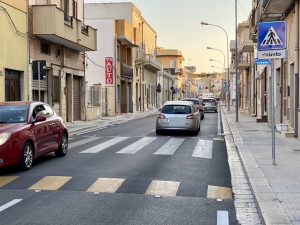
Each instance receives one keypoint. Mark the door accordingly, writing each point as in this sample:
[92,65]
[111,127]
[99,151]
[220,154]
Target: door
[76,98]
[43,131]
[12,85]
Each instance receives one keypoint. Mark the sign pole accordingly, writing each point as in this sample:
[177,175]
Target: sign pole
[39,74]
[272,112]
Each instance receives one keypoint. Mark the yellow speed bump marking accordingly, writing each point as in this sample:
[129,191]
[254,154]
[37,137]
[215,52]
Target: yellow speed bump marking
[107,185]
[6,180]
[50,183]
[219,192]
[163,188]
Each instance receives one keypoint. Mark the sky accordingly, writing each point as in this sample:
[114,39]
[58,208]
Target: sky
[178,26]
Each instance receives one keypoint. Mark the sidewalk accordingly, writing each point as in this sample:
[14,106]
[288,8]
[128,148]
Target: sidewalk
[276,188]
[81,126]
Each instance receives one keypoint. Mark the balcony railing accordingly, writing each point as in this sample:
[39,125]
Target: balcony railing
[126,71]
[244,58]
[150,58]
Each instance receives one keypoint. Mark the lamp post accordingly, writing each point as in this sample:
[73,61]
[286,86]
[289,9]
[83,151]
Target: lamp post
[217,67]
[219,62]
[219,51]
[236,71]
[208,24]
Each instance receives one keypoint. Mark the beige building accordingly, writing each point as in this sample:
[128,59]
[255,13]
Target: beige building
[128,39]
[58,42]
[172,61]
[13,51]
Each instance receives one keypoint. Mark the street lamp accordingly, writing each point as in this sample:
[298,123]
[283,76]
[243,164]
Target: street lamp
[208,24]
[217,67]
[219,51]
[218,61]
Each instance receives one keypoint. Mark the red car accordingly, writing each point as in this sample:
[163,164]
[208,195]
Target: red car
[29,130]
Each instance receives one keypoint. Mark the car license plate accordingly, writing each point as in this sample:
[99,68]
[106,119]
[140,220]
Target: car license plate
[208,108]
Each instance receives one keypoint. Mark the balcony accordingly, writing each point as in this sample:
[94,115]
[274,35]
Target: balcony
[277,6]
[244,61]
[152,63]
[245,44]
[51,23]
[126,71]
[127,34]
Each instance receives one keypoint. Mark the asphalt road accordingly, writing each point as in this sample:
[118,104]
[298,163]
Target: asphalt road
[125,174]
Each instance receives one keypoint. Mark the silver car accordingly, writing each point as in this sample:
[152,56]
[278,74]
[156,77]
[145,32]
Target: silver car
[209,104]
[178,115]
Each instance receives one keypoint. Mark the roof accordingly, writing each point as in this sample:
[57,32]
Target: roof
[178,103]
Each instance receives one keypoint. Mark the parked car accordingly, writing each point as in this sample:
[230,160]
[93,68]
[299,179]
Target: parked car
[209,104]
[197,103]
[178,115]
[29,130]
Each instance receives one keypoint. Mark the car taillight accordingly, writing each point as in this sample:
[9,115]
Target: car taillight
[162,116]
[190,116]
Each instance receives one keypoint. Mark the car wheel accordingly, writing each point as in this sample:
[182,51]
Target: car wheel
[63,146]
[216,111]
[202,117]
[157,131]
[198,127]
[26,159]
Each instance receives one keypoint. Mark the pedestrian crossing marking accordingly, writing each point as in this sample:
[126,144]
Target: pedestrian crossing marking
[136,146]
[169,147]
[7,179]
[163,188]
[82,142]
[271,38]
[203,149]
[50,183]
[217,192]
[106,185]
[104,145]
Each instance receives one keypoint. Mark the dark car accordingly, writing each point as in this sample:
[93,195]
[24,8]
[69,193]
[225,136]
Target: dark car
[197,103]
[29,130]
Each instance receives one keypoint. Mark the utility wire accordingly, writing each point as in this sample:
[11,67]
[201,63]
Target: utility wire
[242,8]
[17,31]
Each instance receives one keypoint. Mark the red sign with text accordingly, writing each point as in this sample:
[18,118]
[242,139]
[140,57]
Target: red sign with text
[109,78]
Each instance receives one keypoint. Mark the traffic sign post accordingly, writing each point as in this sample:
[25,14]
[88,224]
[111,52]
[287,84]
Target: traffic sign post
[271,44]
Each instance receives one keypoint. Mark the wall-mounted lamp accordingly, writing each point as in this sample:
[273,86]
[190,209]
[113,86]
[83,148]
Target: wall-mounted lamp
[1,73]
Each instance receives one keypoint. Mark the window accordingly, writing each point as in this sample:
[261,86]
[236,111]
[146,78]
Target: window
[173,64]
[74,9]
[38,110]
[45,48]
[118,53]
[56,89]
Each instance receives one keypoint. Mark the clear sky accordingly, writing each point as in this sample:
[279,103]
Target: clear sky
[178,26]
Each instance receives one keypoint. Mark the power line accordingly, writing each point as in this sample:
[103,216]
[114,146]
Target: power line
[242,8]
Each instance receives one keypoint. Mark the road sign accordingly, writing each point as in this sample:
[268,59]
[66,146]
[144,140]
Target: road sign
[225,82]
[271,35]
[225,89]
[262,61]
[271,54]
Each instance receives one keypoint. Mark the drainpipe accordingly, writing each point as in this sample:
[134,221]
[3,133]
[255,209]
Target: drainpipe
[296,67]
[28,45]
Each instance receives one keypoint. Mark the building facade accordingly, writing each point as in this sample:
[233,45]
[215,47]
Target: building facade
[58,42]
[13,51]
[130,42]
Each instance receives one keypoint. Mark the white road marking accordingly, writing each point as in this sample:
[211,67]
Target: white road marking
[219,120]
[104,145]
[136,146]
[9,204]
[169,147]
[82,142]
[222,218]
[203,149]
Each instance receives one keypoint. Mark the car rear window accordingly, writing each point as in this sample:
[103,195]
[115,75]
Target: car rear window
[13,114]
[176,109]
[208,100]
[195,101]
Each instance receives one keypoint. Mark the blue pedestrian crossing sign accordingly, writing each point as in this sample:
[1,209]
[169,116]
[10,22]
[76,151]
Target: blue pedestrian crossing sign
[271,35]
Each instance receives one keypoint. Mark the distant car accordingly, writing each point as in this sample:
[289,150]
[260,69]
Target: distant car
[178,115]
[197,103]
[29,130]
[209,104]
